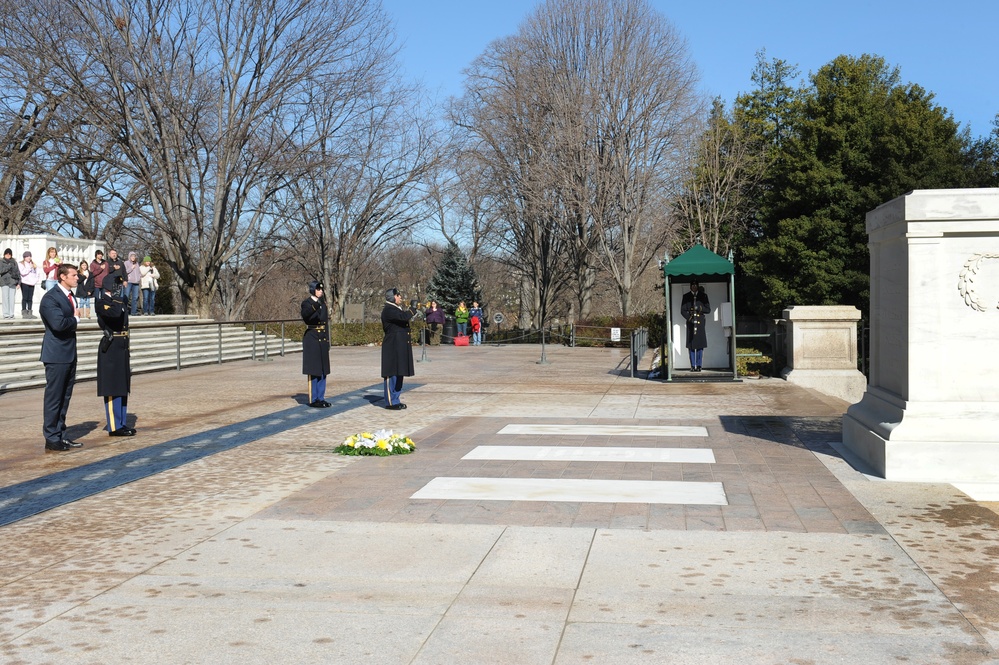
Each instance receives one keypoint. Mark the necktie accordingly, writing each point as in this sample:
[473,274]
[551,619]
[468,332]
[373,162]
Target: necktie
[72,303]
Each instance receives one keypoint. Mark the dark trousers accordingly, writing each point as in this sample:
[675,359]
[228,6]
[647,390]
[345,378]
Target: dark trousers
[317,388]
[393,386]
[59,380]
[27,294]
[116,410]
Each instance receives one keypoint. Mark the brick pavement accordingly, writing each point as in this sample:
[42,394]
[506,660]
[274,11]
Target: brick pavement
[788,491]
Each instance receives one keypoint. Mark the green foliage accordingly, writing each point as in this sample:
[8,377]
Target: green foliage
[855,139]
[455,281]
[342,334]
[163,304]
[983,159]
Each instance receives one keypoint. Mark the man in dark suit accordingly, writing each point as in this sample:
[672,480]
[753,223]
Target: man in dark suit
[397,348]
[59,314]
[316,345]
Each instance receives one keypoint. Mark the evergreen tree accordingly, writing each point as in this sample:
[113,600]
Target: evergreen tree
[454,281]
[862,138]
[983,159]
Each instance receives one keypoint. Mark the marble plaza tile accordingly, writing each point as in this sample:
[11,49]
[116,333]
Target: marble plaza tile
[253,634]
[288,549]
[605,430]
[498,641]
[589,491]
[646,643]
[535,558]
[592,454]
[986,492]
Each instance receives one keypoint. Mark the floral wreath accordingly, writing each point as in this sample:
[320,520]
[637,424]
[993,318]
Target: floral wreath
[967,281]
[381,443]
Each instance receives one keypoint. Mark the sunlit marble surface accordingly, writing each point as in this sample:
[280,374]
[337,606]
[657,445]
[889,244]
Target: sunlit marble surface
[573,489]
[593,454]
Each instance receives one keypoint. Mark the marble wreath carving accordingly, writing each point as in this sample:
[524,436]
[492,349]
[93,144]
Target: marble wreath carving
[966,283]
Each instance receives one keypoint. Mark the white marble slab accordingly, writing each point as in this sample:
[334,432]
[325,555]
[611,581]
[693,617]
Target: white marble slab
[986,492]
[606,430]
[593,454]
[573,489]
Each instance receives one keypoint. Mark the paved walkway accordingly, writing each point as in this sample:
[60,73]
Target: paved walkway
[263,547]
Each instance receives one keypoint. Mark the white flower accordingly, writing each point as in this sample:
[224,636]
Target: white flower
[382,434]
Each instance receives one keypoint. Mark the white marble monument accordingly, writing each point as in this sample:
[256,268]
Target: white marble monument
[822,350]
[931,410]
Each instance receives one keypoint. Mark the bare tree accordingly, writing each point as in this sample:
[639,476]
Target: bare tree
[38,111]
[363,187]
[581,117]
[92,196]
[206,100]
[513,138]
[724,167]
[458,201]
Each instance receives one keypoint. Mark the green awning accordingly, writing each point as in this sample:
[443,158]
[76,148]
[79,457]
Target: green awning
[700,262]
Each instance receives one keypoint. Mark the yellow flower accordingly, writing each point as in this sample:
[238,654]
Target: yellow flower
[383,444]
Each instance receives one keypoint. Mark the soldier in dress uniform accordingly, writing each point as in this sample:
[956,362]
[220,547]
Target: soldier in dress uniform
[316,344]
[397,347]
[114,373]
[694,307]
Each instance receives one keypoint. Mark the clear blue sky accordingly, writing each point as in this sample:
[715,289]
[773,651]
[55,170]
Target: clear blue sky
[950,48]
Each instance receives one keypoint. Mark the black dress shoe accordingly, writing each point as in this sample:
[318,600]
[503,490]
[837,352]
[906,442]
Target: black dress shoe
[60,446]
[130,430]
[72,444]
[395,407]
[124,431]
[319,404]
[326,404]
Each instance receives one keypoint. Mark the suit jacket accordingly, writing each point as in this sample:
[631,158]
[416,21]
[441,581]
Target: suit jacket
[59,342]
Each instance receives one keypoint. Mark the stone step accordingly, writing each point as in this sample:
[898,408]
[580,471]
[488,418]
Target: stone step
[153,348]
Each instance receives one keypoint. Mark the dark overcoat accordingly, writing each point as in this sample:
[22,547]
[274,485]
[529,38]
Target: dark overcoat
[114,371]
[397,349]
[694,310]
[316,340]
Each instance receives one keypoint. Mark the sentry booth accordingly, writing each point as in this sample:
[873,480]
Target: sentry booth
[716,276]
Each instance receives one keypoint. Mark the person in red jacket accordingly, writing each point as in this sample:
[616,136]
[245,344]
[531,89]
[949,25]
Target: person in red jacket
[477,320]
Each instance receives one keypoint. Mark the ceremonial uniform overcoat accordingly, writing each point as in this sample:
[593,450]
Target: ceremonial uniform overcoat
[694,310]
[397,350]
[316,340]
[114,372]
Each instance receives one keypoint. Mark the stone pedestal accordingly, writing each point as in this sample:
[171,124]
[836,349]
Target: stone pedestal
[822,351]
[931,411]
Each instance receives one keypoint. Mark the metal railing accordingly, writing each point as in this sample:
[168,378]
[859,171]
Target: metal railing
[639,345]
[256,328]
[572,334]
